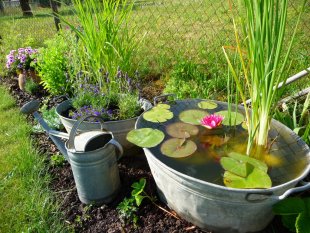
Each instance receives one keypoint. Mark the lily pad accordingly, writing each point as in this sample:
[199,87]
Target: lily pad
[236,118]
[244,125]
[145,137]
[256,179]
[206,104]
[160,113]
[236,167]
[178,148]
[162,106]
[182,130]
[192,116]
[247,159]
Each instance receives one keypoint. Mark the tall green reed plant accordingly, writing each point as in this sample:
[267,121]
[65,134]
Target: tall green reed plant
[107,41]
[264,62]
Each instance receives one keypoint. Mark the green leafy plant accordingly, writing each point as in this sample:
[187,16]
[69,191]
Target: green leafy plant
[31,87]
[107,42]
[189,80]
[57,160]
[53,65]
[296,118]
[51,118]
[295,213]
[264,64]
[128,208]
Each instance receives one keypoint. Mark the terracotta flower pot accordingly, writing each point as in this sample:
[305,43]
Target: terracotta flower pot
[21,81]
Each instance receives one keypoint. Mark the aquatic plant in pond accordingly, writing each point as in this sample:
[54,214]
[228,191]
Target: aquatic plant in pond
[215,155]
[263,62]
[212,121]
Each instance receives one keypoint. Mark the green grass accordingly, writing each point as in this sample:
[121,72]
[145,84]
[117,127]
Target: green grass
[27,204]
[172,30]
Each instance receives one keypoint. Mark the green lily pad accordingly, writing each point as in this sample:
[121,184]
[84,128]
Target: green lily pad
[236,167]
[162,106]
[182,130]
[236,118]
[206,104]
[192,116]
[160,113]
[145,137]
[256,179]
[178,148]
[247,159]
[244,125]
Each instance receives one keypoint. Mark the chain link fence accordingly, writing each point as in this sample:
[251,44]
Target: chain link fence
[193,29]
[197,28]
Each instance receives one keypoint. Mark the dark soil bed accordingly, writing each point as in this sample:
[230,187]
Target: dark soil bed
[87,218]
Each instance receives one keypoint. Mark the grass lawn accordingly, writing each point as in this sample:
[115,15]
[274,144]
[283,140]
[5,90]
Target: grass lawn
[169,30]
[27,204]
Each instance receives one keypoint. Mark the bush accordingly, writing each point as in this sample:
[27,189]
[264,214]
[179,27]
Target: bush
[31,87]
[53,65]
[189,80]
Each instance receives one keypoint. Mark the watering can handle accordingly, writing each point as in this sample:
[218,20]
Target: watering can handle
[76,126]
[119,148]
[263,195]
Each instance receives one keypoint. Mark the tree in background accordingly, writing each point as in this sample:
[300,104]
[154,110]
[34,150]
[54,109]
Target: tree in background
[1,6]
[24,4]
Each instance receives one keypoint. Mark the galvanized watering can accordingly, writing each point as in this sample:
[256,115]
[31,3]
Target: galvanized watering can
[92,155]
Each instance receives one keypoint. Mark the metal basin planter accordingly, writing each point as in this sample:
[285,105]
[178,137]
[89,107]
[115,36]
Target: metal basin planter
[118,128]
[213,206]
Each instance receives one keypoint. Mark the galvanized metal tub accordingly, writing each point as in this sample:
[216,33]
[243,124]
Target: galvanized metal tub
[118,128]
[218,208]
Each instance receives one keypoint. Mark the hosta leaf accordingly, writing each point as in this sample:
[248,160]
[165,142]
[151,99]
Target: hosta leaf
[160,113]
[182,130]
[235,118]
[206,104]
[192,116]
[145,137]
[291,205]
[178,148]
[236,167]
[256,179]
[247,159]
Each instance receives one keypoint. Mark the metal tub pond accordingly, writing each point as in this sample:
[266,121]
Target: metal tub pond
[211,205]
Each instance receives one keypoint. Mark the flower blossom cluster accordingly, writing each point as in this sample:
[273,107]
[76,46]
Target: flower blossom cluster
[21,59]
[89,110]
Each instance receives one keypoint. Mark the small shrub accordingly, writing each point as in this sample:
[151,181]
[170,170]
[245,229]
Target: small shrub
[189,80]
[53,65]
[57,160]
[31,87]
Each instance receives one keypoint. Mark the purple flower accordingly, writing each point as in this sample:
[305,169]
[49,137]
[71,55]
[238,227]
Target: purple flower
[96,113]
[212,121]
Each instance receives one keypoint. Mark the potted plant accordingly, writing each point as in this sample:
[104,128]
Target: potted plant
[102,58]
[22,62]
[199,170]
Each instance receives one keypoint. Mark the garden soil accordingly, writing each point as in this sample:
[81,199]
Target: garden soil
[87,218]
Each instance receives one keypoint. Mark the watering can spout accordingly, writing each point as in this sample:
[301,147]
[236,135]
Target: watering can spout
[31,108]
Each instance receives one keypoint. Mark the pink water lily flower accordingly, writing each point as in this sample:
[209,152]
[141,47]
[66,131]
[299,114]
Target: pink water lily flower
[212,121]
